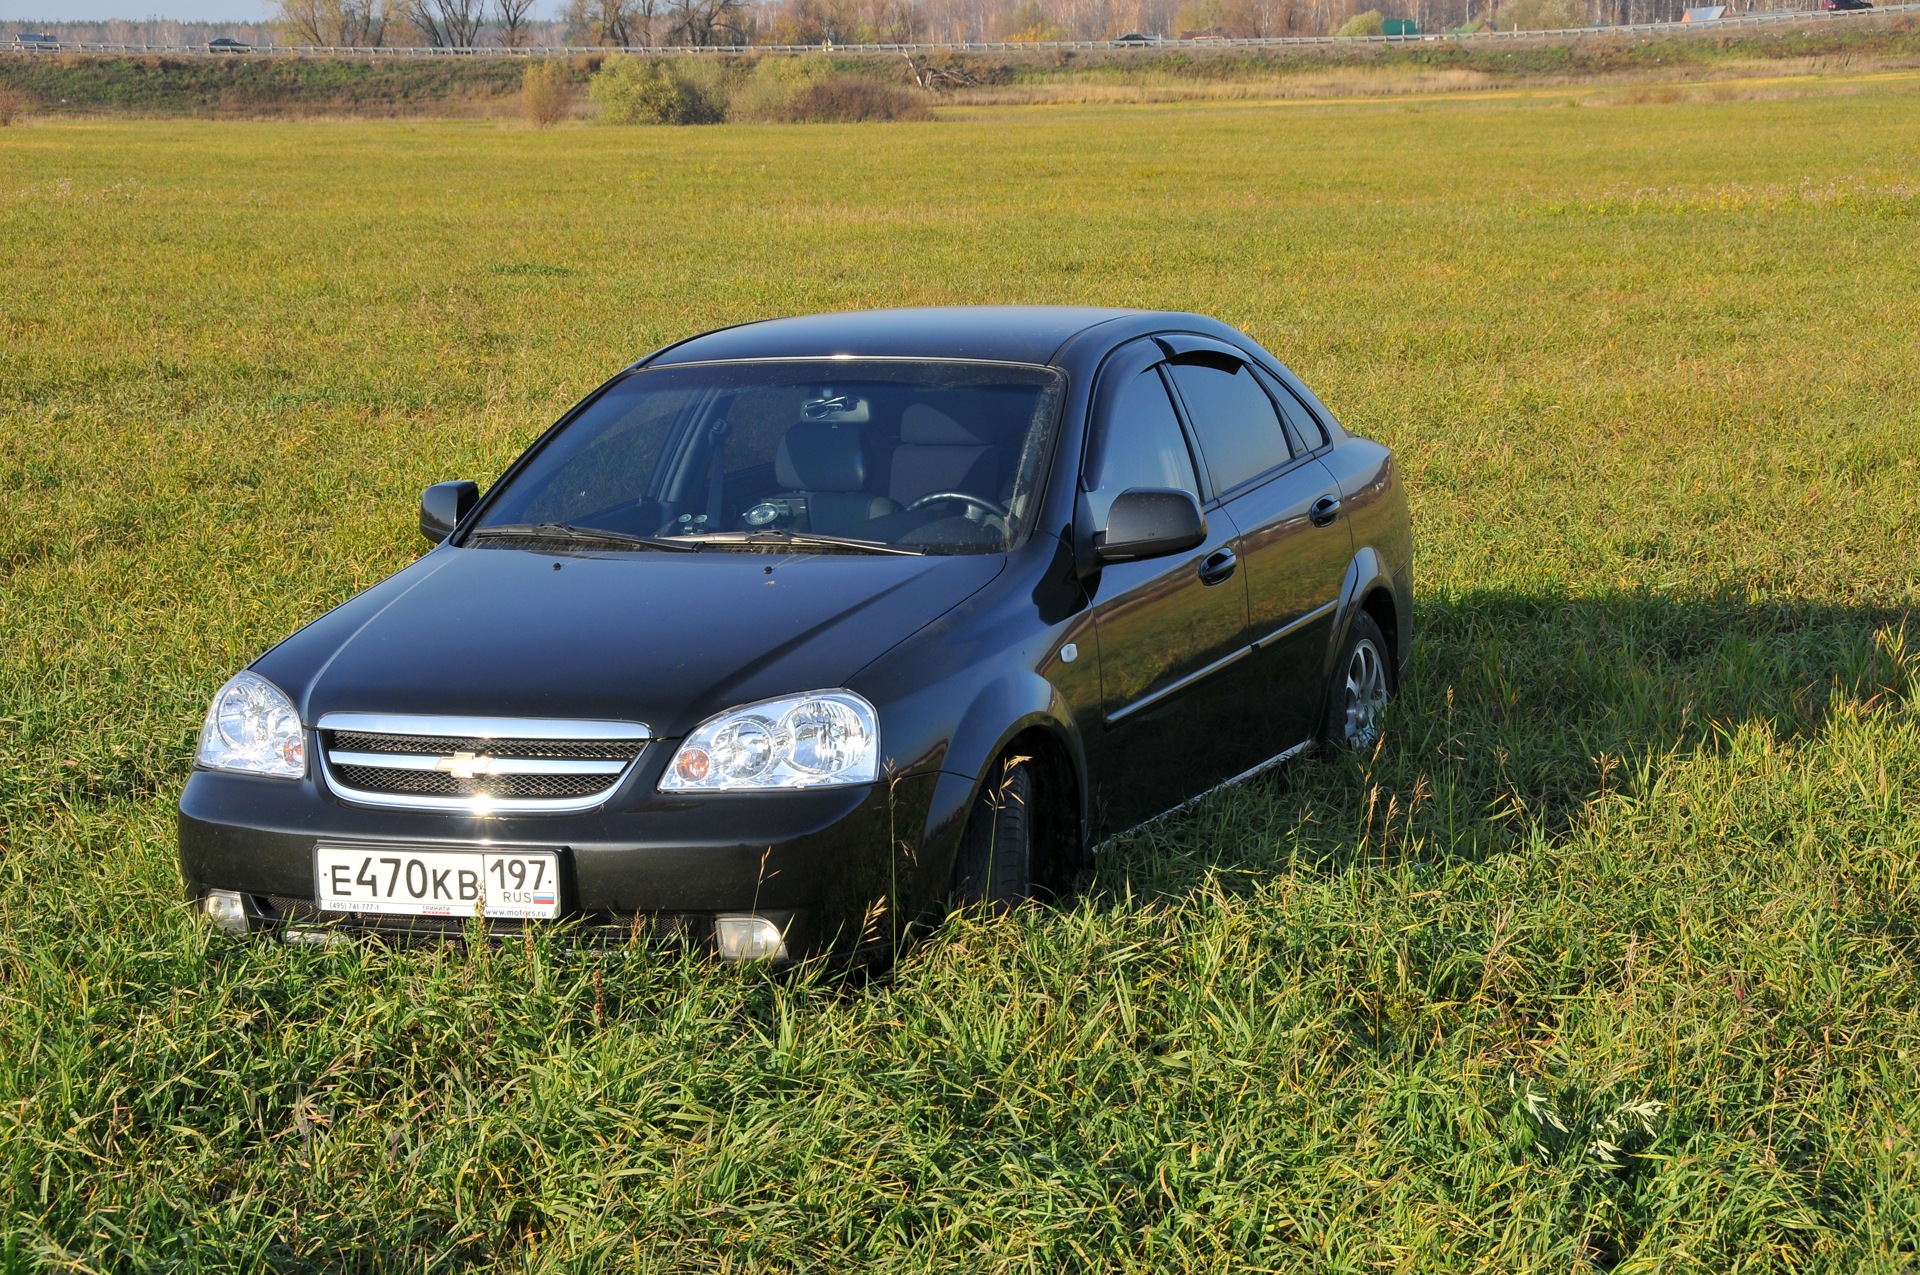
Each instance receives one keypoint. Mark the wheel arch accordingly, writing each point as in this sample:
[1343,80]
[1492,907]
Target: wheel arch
[1025,715]
[1059,804]
[1371,589]
[1379,603]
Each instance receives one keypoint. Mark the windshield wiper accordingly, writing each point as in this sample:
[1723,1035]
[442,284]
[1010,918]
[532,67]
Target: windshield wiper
[800,539]
[573,534]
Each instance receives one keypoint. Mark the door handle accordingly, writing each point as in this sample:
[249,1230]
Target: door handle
[1324,510]
[1218,566]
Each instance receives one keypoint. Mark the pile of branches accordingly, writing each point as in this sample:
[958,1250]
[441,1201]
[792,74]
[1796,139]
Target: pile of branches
[935,78]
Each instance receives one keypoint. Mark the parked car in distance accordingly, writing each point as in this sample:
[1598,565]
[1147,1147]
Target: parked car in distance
[36,41]
[227,44]
[1136,37]
[797,631]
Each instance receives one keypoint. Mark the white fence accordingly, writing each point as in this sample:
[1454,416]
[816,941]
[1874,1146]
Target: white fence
[1763,18]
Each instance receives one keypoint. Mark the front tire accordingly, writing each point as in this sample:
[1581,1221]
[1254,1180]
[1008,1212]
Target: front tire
[1361,686]
[994,869]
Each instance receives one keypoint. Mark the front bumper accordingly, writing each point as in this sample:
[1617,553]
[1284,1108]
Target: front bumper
[821,863]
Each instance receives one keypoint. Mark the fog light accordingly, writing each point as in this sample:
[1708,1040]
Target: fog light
[748,938]
[226,910]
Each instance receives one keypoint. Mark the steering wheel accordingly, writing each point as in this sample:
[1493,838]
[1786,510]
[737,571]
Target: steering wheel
[978,502]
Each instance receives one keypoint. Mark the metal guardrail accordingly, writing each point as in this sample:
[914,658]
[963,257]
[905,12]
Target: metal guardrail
[1763,18]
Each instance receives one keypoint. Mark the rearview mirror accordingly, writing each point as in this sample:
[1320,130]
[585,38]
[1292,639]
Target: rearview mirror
[1149,522]
[443,505]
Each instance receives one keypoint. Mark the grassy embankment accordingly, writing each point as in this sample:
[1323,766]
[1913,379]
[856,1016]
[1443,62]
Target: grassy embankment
[252,87]
[1635,867]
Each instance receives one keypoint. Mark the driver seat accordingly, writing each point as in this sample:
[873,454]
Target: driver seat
[938,453]
[826,464]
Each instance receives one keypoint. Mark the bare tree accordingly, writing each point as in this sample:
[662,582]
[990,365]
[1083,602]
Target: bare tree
[708,22]
[336,23]
[513,22]
[645,17]
[819,22]
[898,22]
[596,22]
[299,21]
[619,23]
[445,24]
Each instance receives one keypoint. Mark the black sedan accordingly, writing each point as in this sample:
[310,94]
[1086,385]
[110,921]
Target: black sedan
[799,631]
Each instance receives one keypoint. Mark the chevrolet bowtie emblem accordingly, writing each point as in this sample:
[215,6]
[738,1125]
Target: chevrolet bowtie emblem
[465,765]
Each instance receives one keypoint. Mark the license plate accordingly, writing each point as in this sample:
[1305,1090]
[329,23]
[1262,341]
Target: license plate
[403,881]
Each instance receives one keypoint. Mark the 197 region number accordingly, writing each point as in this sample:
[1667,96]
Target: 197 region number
[405,881]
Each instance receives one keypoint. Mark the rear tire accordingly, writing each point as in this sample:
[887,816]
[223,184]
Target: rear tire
[1362,683]
[994,868]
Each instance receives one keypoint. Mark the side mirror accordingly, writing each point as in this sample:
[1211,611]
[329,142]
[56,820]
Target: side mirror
[443,505]
[1149,522]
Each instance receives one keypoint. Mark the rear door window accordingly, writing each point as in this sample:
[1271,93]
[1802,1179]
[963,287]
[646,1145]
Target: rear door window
[1238,429]
[1303,426]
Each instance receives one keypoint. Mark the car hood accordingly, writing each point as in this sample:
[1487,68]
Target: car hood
[662,638]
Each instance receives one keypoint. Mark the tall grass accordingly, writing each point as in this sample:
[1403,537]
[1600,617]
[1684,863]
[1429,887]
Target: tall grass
[1606,958]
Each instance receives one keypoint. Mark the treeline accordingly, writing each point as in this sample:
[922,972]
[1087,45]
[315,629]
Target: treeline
[706,23]
[644,23]
[160,31]
[903,21]
[763,86]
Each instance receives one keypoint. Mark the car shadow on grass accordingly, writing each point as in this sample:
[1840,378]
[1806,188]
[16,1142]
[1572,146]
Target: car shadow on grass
[1518,710]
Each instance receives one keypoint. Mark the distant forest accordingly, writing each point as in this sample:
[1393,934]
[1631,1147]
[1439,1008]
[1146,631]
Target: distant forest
[645,23]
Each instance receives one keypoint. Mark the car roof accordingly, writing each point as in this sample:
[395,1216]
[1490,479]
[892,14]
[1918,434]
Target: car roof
[1002,333]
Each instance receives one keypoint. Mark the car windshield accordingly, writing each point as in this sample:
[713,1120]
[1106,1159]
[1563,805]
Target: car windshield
[816,455]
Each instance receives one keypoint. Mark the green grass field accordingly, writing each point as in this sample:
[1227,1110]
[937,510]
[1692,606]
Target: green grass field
[1606,959]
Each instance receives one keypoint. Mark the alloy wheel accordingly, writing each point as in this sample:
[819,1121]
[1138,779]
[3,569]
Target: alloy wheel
[1366,694]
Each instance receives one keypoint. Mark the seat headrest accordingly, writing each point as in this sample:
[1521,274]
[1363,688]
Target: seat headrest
[923,426]
[821,456]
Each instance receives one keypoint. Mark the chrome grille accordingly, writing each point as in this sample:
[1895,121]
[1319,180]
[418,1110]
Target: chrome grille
[439,784]
[476,765]
[584,749]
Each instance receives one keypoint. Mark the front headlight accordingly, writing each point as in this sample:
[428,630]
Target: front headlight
[797,741]
[252,727]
